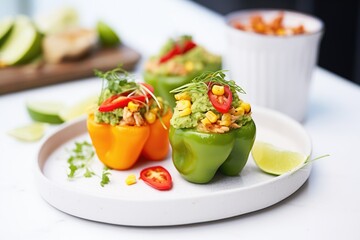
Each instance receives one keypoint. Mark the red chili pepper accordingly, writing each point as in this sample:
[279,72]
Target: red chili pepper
[177,50]
[188,46]
[221,103]
[157,177]
[121,100]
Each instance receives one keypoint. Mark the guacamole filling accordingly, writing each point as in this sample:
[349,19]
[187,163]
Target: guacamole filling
[199,106]
[191,58]
[135,110]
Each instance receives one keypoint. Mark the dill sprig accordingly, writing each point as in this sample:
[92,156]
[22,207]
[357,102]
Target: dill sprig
[200,83]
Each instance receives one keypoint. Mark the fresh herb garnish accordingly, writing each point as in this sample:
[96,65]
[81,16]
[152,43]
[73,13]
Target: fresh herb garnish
[199,83]
[105,176]
[118,81]
[79,161]
[115,81]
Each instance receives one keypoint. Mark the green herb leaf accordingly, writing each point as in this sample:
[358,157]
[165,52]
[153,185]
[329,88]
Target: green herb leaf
[105,177]
[115,81]
[199,83]
[80,159]
[88,173]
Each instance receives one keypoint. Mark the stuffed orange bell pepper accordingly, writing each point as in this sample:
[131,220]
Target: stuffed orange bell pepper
[130,122]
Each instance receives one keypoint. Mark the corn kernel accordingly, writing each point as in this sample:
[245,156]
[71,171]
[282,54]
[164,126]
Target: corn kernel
[211,116]
[246,107]
[189,66]
[131,179]
[218,90]
[182,104]
[182,96]
[239,111]
[185,112]
[206,121]
[225,123]
[154,110]
[150,117]
[226,117]
[133,107]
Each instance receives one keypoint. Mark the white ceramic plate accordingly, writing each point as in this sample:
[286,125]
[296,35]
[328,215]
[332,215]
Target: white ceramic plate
[185,203]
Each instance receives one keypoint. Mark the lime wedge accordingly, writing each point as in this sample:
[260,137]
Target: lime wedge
[23,43]
[79,109]
[107,36]
[5,29]
[273,160]
[45,111]
[29,133]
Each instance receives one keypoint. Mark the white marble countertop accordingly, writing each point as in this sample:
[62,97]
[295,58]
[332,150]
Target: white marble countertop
[326,207]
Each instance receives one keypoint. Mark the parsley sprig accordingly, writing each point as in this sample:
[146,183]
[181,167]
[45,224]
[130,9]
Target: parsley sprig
[80,160]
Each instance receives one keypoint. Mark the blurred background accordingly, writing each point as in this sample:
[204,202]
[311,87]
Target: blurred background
[340,47]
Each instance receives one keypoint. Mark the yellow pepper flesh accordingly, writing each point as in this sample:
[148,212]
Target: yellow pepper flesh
[119,147]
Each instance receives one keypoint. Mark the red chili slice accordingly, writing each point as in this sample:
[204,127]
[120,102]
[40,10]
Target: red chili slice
[121,100]
[177,50]
[157,177]
[221,103]
[188,46]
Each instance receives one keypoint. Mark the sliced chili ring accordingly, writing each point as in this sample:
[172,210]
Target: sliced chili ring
[121,100]
[221,103]
[157,177]
[178,50]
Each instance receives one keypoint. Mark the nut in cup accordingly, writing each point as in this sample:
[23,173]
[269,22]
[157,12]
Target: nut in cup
[274,58]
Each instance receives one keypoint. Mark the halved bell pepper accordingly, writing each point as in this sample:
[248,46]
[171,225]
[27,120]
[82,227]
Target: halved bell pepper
[199,155]
[119,147]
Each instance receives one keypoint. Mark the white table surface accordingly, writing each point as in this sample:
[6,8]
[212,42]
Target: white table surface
[326,207]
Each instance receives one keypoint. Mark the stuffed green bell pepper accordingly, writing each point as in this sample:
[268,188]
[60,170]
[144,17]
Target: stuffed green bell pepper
[177,63]
[211,129]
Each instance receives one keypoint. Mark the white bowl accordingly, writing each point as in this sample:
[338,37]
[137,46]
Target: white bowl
[275,71]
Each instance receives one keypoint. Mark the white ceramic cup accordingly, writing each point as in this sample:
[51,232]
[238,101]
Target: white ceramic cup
[275,71]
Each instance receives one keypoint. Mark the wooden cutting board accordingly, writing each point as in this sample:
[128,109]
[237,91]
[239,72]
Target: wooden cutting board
[18,78]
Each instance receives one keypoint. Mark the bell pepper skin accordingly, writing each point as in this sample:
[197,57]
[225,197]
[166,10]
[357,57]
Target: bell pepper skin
[164,84]
[157,146]
[118,147]
[244,140]
[198,156]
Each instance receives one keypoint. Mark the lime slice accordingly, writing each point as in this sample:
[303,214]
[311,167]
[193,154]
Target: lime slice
[45,111]
[29,133]
[79,109]
[107,36]
[23,43]
[273,160]
[5,29]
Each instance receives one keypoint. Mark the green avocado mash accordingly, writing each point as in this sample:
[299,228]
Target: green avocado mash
[195,60]
[201,104]
[118,82]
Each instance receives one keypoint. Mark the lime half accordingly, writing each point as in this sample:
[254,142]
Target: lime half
[45,111]
[23,43]
[107,36]
[5,29]
[79,109]
[29,133]
[276,161]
